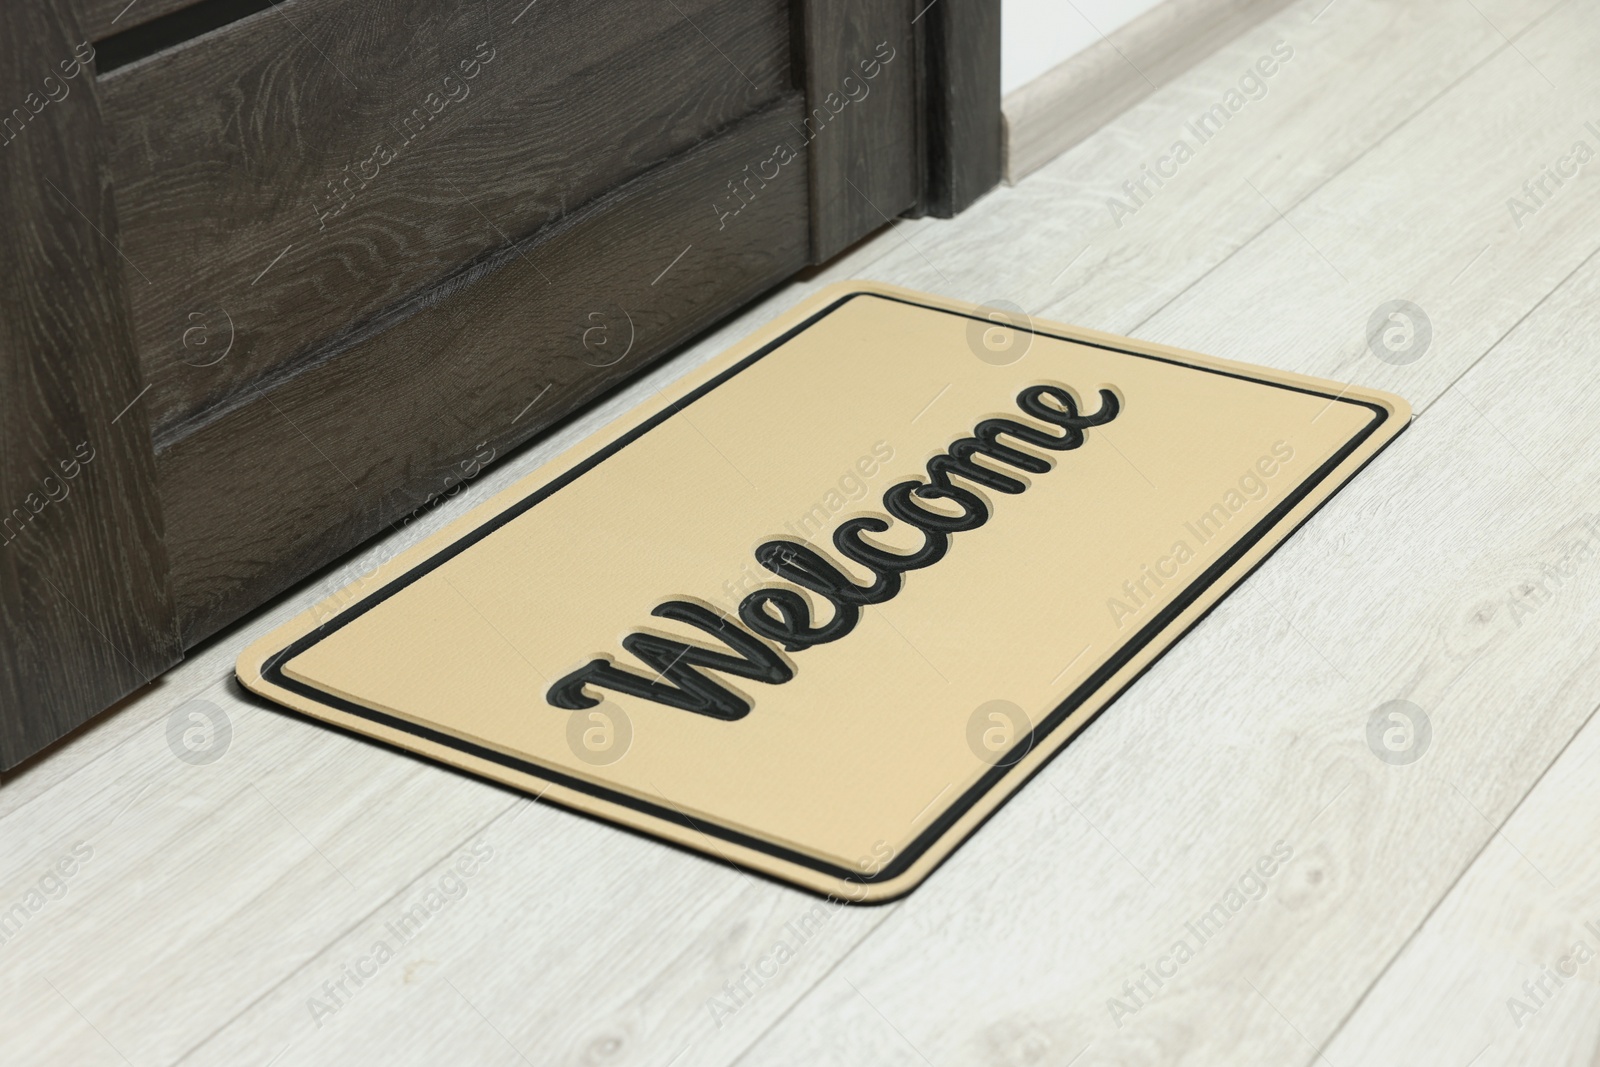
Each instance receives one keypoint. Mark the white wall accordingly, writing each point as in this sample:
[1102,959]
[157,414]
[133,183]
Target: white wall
[1038,34]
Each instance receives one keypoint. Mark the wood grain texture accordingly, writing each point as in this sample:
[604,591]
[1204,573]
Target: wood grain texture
[85,611]
[285,180]
[266,492]
[860,76]
[609,948]
[1456,992]
[1069,102]
[962,151]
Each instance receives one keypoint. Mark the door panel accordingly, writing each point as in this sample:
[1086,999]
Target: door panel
[274,489]
[287,179]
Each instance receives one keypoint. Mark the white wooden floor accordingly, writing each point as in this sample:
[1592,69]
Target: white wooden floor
[1431,912]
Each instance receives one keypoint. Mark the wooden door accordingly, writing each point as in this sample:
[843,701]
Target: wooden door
[277,275]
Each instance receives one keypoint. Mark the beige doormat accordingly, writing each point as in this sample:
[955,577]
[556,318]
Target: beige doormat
[822,605]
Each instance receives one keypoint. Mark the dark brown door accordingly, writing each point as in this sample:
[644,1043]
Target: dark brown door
[276,275]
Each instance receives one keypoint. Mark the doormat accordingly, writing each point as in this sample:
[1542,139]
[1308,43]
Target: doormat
[818,608]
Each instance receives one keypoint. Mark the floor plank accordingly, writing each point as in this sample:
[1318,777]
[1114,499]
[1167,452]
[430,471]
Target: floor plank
[1457,991]
[1422,217]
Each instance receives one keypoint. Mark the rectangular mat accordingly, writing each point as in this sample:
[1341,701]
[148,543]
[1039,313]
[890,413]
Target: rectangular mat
[819,607]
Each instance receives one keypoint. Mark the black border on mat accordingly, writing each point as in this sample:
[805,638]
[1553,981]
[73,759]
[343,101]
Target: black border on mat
[272,670]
